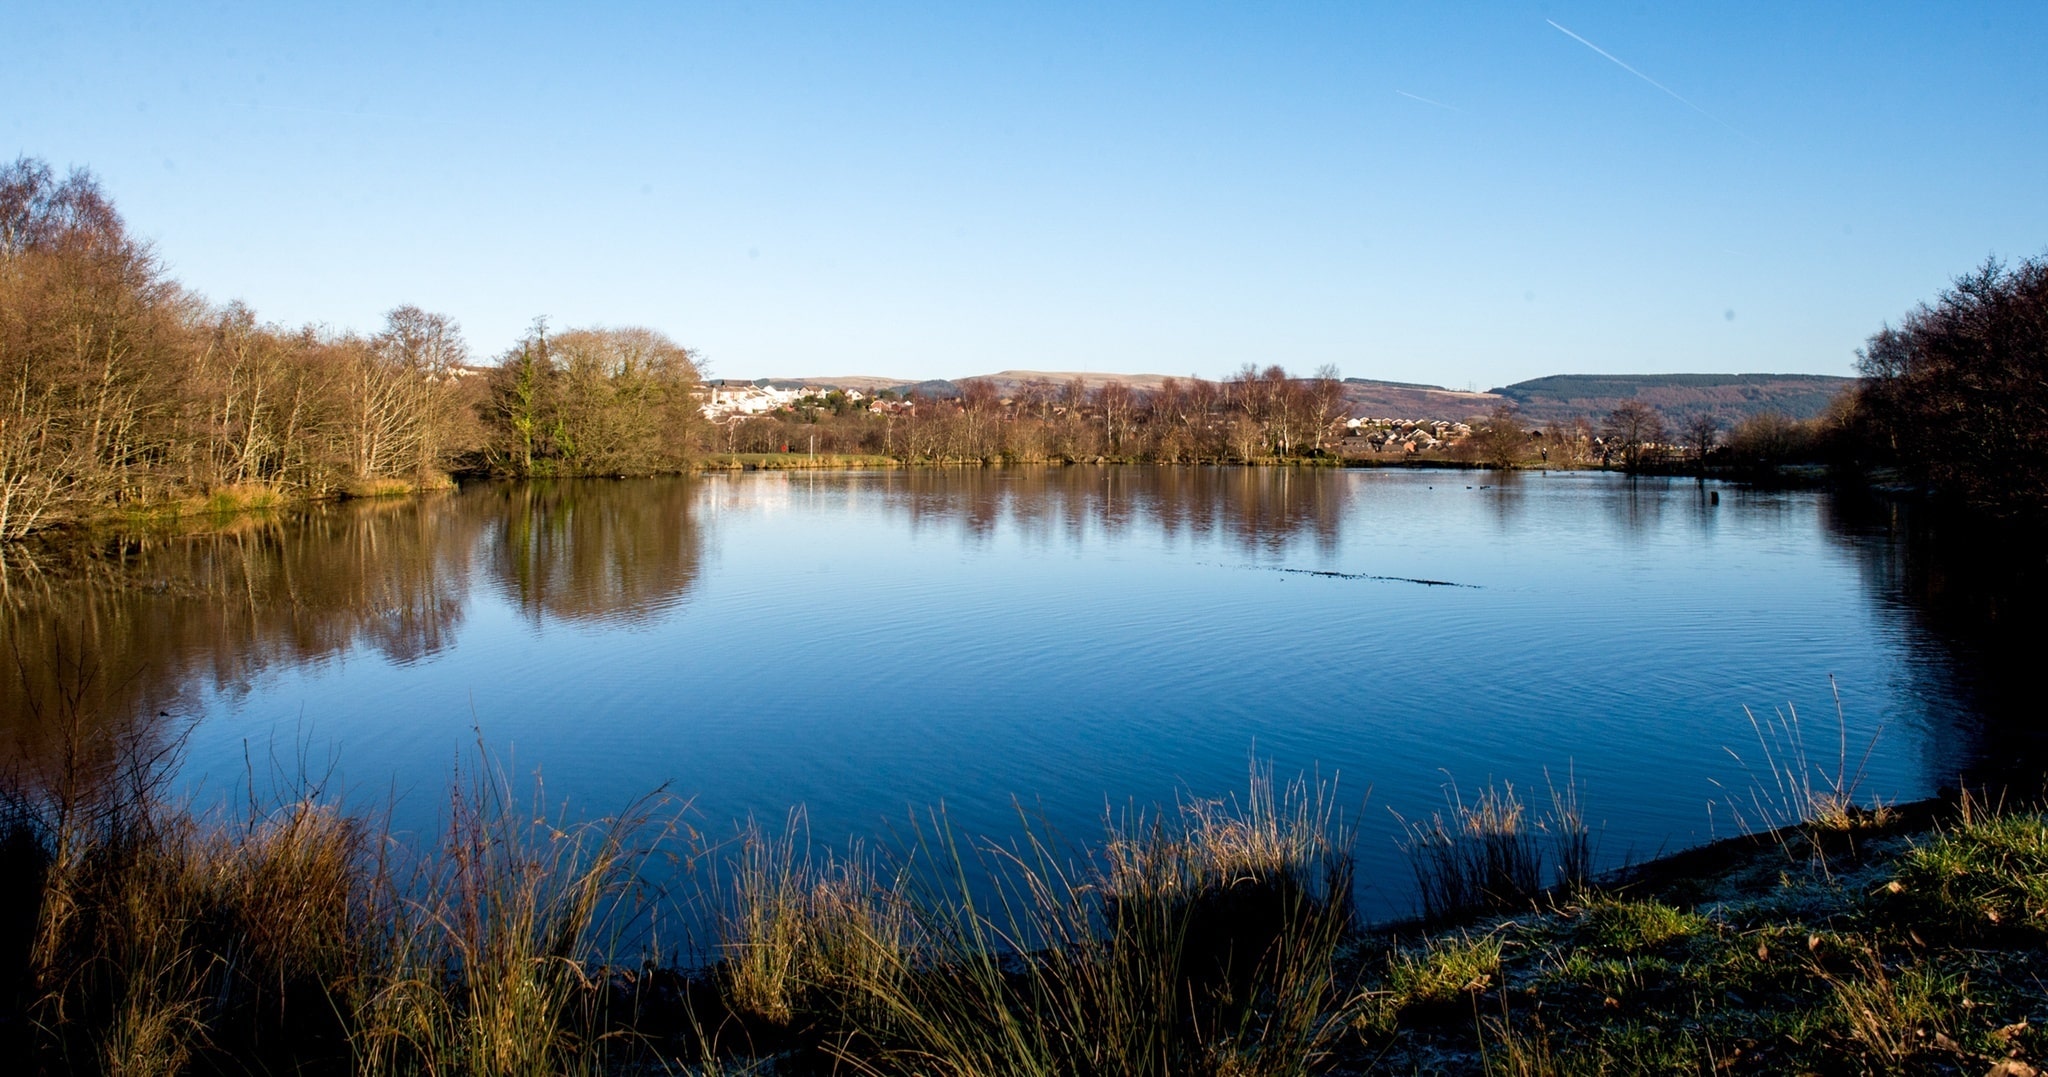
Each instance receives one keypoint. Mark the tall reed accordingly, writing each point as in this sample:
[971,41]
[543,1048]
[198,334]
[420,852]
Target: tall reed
[1571,840]
[800,930]
[141,935]
[1201,941]
[1791,792]
[483,956]
[1486,853]
[151,937]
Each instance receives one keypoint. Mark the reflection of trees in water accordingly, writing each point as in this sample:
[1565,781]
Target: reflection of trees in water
[595,550]
[96,638]
[1639,507]
[149,624]
[1503,490]
[1262,509]
[1981,594]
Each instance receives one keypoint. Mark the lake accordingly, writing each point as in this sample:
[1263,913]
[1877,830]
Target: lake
[875,645]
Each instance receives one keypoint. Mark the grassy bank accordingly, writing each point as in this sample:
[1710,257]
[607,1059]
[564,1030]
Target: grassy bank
[1215,937]
[223,504]
[1908,944]
[794,461]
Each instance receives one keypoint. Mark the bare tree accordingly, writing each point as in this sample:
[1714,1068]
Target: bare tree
[91,351]
[1699,431]
[1634,426]
[1118,408]
[1037,397]
[1247,394]
[1286,406]
[429,351]
[1326,402]
[1769,439]
[1958,393]
[1498,438]
[980,415]
[1200,417]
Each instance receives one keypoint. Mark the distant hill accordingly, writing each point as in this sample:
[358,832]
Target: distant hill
[866,383]
[1363,396]
[1733,396]
[1366,398]
[1007,381]
[1539,400]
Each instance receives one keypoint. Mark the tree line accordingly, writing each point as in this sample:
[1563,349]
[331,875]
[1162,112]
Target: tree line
[1956,396]
[124,388]
[119,388]
[1635,436]
[1256,414]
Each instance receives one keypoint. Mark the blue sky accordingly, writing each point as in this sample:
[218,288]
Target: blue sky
[1467,196]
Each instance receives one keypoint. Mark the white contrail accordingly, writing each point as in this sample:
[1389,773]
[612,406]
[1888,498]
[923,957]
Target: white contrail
[1427,101]
[1675,95]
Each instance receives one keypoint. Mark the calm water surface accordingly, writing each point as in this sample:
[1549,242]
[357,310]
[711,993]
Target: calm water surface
[872,645]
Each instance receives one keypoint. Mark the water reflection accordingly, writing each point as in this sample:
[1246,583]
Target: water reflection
[1261,510]
[596,552]
[153,612]
[98,638]
[862,642]
[1981,591]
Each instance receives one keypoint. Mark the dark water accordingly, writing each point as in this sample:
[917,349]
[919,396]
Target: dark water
[873,645]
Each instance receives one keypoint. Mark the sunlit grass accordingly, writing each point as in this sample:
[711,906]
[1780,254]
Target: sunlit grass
[1212,937]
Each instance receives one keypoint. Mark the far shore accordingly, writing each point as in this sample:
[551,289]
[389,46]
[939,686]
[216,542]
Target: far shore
[231,507]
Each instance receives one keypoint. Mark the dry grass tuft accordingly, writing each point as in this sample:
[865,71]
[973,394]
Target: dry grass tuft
[1571,840]
[798,930]
[152,938]
[367,488]
[483,963]
[1483,855]
[1795,793]
[1204,941]
[1895,1016]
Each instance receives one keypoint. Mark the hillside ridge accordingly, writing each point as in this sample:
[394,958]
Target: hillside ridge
[1536,400]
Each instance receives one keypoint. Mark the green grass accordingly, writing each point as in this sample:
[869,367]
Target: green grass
[1443,970]
[1633,926]
[1920,954]
[1983,878]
